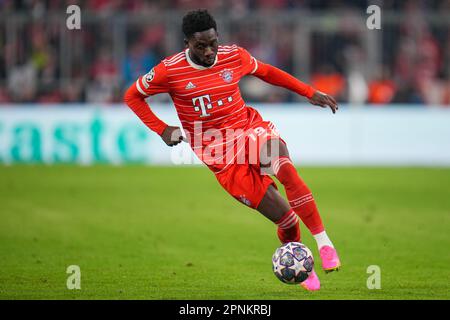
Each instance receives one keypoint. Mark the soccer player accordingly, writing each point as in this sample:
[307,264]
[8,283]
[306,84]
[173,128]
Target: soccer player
[202,81]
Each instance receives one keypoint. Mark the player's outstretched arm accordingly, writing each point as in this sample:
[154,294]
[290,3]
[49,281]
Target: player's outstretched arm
[136,101]
[154,82]
[275,76]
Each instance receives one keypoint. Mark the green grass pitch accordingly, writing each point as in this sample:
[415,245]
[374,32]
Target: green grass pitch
[140,232]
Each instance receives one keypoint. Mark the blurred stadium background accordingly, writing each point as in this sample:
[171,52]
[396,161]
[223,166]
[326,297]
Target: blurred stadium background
[80,75]
[61,102]
[324,42]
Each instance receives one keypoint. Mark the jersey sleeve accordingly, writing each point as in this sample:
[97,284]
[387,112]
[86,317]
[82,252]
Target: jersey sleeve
[273,75]
[153,82]
[249,64]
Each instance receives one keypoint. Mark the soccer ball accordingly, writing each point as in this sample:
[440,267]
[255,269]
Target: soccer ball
[292,262]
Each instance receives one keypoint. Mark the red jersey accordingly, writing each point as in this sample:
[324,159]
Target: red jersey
[207,99]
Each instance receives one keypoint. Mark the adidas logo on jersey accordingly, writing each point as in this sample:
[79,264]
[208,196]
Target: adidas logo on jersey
[190,85]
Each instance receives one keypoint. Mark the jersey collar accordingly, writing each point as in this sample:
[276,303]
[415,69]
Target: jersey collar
[197,66]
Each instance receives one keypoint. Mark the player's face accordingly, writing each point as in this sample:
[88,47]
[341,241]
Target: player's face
[203,47]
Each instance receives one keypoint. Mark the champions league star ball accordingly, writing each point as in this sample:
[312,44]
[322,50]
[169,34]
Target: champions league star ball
[292,262]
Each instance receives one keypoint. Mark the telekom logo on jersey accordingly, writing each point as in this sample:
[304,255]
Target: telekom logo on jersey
[205,104]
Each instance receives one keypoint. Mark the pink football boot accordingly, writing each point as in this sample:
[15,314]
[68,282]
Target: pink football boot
[312,283]
[330,259]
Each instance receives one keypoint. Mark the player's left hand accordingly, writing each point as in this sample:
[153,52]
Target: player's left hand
[323,100]
[172,136]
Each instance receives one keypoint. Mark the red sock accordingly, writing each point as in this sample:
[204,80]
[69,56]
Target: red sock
[299,196]
[288,228]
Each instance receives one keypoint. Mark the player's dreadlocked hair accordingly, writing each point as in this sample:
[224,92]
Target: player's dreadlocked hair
[197,21]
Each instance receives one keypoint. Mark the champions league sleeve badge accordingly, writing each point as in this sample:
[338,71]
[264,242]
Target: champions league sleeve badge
[149,76]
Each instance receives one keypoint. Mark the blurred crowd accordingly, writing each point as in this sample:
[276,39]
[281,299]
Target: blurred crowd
[42,61]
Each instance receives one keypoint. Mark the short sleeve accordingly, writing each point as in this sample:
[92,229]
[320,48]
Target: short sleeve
[153,82]
[248,62]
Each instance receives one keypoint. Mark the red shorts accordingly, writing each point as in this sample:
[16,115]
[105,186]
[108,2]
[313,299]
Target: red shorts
[246,182]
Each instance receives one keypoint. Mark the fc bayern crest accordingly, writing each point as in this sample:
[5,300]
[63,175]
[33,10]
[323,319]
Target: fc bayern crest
[227,75]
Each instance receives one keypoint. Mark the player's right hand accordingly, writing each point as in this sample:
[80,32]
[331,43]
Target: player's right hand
[172,136]
[323,100]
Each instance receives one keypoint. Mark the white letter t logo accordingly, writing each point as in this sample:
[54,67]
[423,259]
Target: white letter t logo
[202,106]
